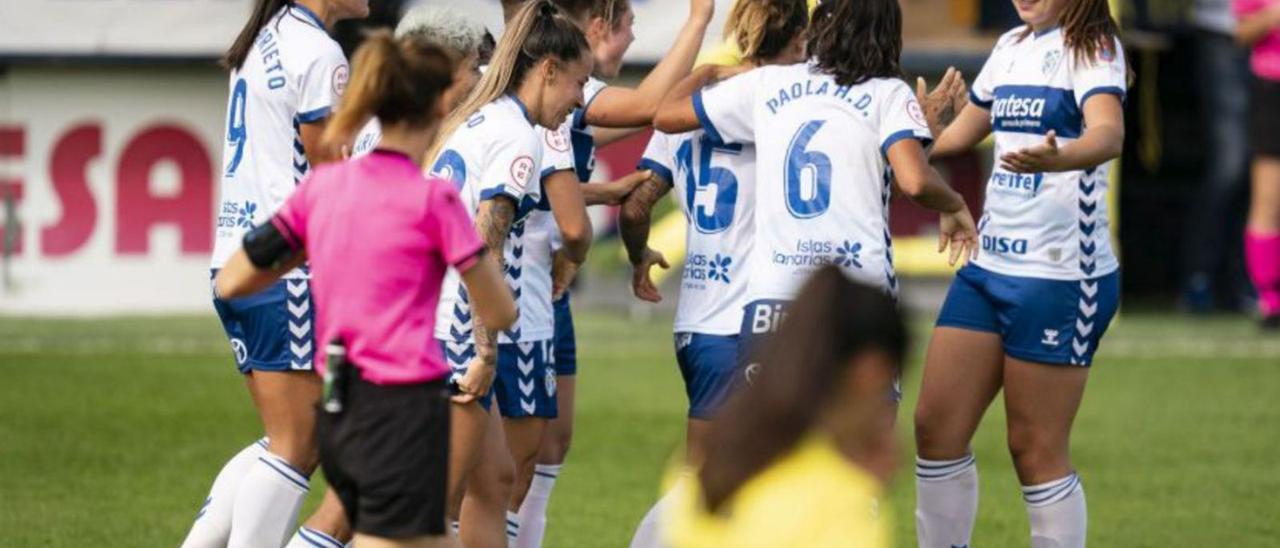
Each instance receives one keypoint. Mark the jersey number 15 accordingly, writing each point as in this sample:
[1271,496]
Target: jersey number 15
[718,181]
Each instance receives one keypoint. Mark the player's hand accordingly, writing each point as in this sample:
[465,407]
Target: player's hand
[1035,159]
[944,103]
[476,382]
[725,72]
[615,192]
[563,271]
[641,282]
[958,233]
[701,11]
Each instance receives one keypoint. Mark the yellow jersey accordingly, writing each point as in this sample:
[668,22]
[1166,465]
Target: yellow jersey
[813,497]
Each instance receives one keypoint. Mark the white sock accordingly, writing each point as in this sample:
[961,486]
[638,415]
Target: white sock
[513,527]
[1059,518]
[533,511]
[946,501]
[267,504]
[213,523]
[649,534]
[307,537]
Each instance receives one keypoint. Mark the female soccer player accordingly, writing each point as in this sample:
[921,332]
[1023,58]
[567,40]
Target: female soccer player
[286,75]
[383,428]
[491,148]
[826,133]
[715,186]
[607,25]
[1260,30]
[800,457]
[1028,314]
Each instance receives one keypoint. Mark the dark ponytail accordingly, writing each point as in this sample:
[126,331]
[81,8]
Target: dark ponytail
[832,321]
[397,80]
[857,40]
[262,12]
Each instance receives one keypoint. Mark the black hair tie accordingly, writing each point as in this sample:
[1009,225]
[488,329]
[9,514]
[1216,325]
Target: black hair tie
[547,10]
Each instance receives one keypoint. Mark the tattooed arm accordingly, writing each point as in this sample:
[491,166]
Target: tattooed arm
[493,222]
[633,223]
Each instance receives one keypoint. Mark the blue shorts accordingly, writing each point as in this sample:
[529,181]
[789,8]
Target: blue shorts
[1055,322]
[270,330]
[525,385]
[709,365]
[566,344]
[761,319]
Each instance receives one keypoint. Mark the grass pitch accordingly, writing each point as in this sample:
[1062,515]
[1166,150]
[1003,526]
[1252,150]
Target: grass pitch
[112,429]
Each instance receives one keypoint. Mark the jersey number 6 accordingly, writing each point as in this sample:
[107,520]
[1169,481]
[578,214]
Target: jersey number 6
[808,175]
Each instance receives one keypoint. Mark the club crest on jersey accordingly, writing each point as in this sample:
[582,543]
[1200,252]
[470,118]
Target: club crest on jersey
[549,381]
[522,171]
[556,140]
[916,113]
[1051,61]
[341,74]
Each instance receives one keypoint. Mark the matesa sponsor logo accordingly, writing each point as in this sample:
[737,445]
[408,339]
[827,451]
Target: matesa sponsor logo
[522,171]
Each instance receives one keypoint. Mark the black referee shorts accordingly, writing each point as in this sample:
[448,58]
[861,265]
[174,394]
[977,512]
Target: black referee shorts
[1264,111]
[386,457]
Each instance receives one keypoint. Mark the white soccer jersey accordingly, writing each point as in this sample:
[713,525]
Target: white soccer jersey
[294,75]
[714,184]
[822,179]
[368,138]
[494,153]
[537,318]
[584,143]
[1044,225]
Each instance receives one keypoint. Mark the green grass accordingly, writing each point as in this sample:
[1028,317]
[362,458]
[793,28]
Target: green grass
[111,430]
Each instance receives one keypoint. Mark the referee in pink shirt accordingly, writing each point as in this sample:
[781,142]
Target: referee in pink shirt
[379,238]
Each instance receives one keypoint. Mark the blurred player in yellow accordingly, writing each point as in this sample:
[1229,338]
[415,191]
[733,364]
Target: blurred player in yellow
[798,457]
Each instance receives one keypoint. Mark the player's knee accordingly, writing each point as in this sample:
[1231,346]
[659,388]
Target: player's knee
[934,440]
[555,447]
[1035,453]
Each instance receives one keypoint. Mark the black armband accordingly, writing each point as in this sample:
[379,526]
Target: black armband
[266,247]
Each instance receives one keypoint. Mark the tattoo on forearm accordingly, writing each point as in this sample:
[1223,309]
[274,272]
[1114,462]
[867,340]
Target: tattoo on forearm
[636,215]
[493,223]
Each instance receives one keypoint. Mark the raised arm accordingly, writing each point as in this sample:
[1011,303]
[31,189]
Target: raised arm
[922,184]
[626,107]
[634,222]
[969,128]
[1254,26]
[676,113]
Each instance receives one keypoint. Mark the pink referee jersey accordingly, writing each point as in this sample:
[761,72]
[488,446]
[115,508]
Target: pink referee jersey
[1265,57]
[379,238]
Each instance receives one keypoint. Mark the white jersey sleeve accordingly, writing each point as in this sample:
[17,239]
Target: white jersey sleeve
[983,90]
[1105,74]
[510,168]
[725,109]
[902,118]
[322,84]
[658,156]
[557,150]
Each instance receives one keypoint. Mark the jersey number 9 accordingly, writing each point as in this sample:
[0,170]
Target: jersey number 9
[236,133]
[808,175]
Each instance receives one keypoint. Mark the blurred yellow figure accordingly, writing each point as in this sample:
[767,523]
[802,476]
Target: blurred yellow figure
[798,455]
[727,53]
[813,497]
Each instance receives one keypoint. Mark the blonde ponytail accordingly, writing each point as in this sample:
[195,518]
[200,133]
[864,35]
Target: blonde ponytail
[539,30]
[762,29]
